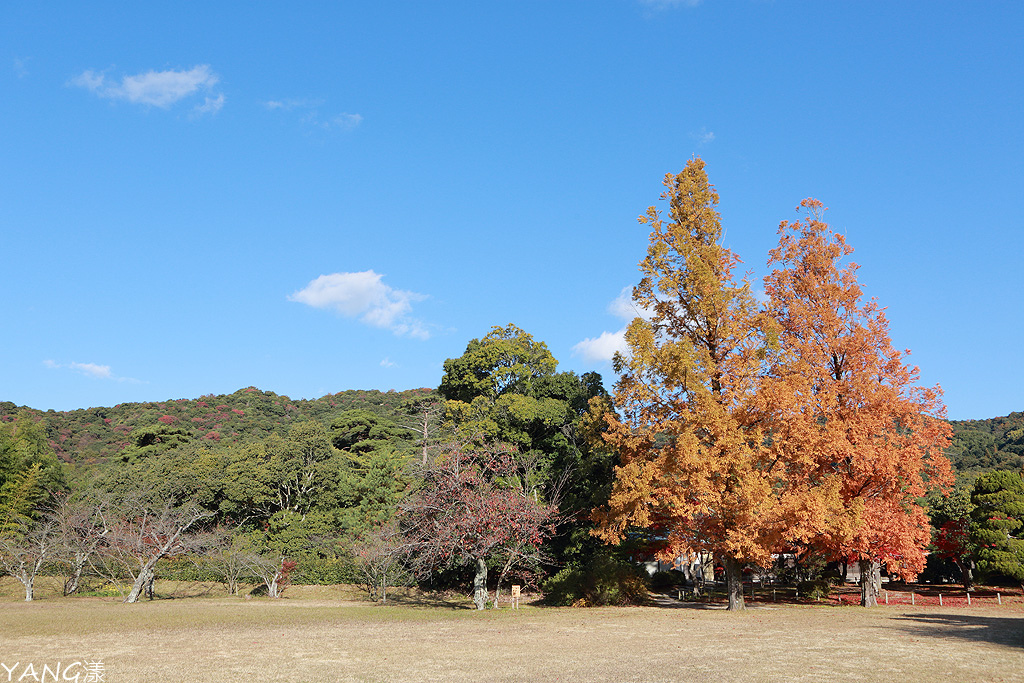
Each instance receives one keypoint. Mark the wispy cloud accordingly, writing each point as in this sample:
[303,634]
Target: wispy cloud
[290,104]
[364,296]
[211,105]
[703,136]
[21,66]
[310,114]
[93,370]
[602,348]
[157,88]
[388,363]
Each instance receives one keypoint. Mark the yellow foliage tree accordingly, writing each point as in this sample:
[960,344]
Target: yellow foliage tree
[698,467]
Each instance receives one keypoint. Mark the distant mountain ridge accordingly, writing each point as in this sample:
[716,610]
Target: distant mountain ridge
[91,435]
[993,444]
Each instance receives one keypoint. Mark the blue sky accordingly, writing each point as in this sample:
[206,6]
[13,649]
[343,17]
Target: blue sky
[314,197]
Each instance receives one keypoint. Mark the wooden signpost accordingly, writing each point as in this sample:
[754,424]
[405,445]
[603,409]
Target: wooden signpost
[515,596]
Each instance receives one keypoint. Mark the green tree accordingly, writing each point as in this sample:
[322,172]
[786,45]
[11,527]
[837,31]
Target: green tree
[371,488]
[506,388]
[951,520]
[359,431]
[998,516]
[29,471]
[507,360]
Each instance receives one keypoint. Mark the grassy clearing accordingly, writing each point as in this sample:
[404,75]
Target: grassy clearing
[320,633]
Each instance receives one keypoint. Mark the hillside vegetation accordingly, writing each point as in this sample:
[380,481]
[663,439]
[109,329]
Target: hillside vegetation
[92,435]
[993,444]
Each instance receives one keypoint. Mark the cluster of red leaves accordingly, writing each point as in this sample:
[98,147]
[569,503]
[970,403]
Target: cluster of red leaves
[473,504]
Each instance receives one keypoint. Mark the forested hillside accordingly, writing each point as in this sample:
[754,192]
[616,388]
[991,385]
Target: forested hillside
[993,444]
[95,434]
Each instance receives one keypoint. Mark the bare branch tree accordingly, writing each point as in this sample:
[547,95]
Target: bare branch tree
[141,535]
[228,558]
[380,556]
[272,569]
[24,552]
[82,526]
[427,410]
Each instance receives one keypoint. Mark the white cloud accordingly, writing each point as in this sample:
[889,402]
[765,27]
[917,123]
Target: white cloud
[388,363]
[211,105]
[602,348]
[312,115]
[290,104]
[703,136]
[362,295]
[21,67]
[155,88]
[93,370]
[347,121]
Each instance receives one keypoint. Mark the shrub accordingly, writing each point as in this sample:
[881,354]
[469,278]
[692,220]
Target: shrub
[666,580]
[818,589]
[325,571]
[605,580]
[832,576]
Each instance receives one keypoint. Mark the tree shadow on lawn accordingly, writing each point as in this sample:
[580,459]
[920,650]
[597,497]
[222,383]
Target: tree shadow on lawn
[999,630]
[668,602]
[433,600]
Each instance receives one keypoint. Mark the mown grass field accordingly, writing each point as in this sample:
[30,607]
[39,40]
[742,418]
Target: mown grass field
[319,633]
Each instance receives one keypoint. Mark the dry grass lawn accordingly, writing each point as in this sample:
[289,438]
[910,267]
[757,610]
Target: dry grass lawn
[329,634]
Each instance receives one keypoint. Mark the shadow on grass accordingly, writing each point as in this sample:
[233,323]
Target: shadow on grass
[668,602]
[432,600]
[999,630]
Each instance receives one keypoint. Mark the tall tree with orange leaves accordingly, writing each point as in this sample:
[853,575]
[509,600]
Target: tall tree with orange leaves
[846,405]
[697,469]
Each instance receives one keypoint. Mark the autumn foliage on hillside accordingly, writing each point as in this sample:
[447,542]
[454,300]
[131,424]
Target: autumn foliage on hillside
[96,434]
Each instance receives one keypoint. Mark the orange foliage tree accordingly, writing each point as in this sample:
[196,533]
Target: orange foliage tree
[847,408]
[698,469]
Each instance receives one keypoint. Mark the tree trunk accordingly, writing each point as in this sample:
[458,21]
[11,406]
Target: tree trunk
[148,571]
[846,569]
[144,577]
[480,584]
[29,581]
[734,583]
[501,578]
[870,582]
[966,573]
[75,577]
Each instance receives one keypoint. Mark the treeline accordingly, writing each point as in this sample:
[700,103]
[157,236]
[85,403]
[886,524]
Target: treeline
[496,471]
[93,435]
